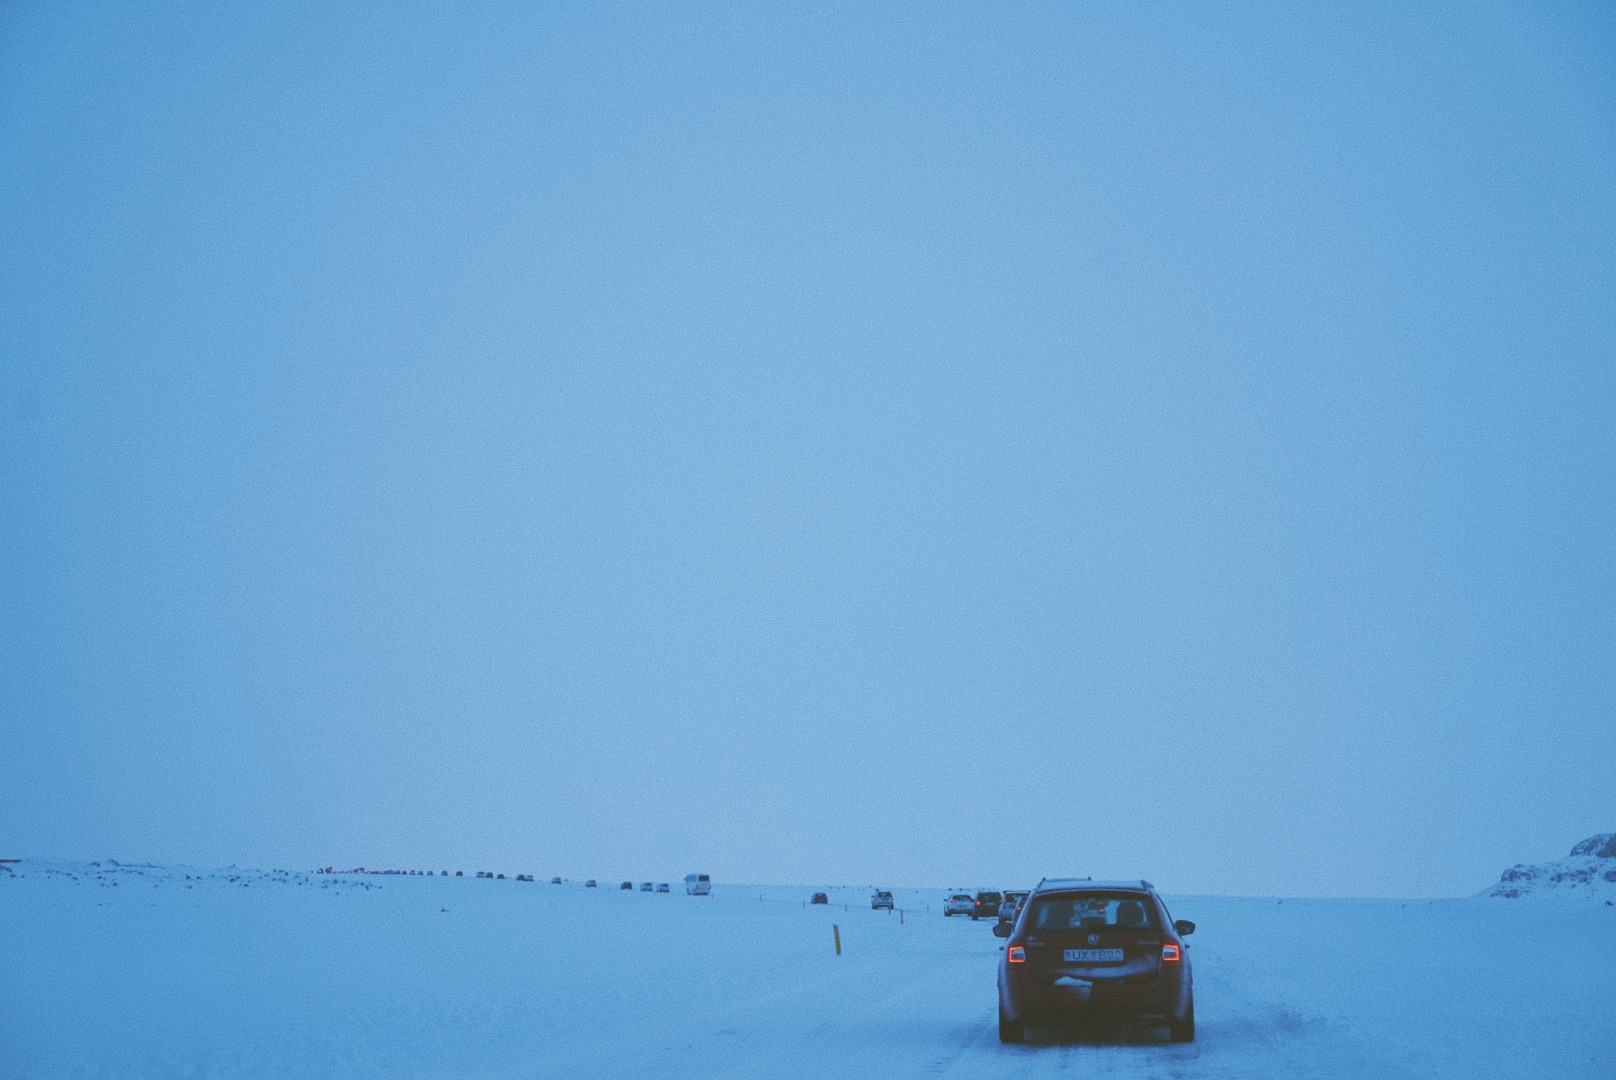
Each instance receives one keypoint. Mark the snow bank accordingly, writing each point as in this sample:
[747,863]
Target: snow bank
[1588,873]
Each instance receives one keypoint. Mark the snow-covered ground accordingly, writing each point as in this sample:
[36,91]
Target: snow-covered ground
[119,971]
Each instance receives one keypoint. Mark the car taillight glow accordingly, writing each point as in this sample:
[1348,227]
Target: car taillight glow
[1016,955]
[1170,954]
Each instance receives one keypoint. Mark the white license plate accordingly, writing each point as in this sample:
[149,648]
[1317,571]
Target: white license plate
[1093,956]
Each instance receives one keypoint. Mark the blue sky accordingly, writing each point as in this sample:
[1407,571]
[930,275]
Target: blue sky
[923,444]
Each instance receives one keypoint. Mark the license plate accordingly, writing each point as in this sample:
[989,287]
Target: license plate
[1093,956]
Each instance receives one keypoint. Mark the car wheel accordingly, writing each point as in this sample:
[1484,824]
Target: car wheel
[1184,1030]
[1010,1031]
[973,916]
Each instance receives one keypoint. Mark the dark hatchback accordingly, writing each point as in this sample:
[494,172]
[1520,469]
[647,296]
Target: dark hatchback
[986,905]
[1085,951]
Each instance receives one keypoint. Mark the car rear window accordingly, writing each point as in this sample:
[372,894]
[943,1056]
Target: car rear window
[1093,911]
[990,897]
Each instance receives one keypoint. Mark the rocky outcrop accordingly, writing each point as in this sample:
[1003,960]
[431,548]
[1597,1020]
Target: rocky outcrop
[1589,872]
[1602,846]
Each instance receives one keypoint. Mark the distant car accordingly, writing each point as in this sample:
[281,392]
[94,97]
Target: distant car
[881,899]
[646,886]
[663,887]
[819,898]
[555,881]
[1010,905]
[698,885]
[590,884]
[986,905]
[959,904]
[626,885]
[1086,950]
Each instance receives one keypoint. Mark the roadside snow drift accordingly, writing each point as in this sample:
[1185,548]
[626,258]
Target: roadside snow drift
[126,971]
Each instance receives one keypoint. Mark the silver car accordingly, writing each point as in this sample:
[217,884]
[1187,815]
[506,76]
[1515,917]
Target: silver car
[1010,906]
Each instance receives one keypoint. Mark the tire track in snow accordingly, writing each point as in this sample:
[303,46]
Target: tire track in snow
[915,1013]
[776,1054]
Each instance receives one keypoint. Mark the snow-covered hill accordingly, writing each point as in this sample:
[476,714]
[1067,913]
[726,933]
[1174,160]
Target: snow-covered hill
[1588,873]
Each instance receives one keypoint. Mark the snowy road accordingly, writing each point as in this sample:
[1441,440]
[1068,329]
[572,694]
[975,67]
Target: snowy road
[148,972]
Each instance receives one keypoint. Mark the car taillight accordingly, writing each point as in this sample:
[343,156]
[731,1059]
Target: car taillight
[1016,955]
[1170,954]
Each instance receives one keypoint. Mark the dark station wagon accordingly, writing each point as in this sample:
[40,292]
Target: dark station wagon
[1084,951]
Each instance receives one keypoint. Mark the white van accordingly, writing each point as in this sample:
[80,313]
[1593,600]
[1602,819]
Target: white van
[698,885]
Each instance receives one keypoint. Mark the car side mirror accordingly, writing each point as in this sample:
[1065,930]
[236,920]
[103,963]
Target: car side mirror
[1001,929]
[1184,927]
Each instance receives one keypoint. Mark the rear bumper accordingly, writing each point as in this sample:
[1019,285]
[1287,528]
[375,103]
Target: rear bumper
[1046,999]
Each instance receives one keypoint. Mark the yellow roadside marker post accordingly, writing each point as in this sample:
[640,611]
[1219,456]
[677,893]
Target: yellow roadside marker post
[836,935]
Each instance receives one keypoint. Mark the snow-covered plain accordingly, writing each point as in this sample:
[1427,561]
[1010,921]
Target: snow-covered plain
[122,971]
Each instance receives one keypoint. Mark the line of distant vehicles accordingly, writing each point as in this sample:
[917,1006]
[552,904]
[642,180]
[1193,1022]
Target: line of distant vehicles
[695,884]
[986,904]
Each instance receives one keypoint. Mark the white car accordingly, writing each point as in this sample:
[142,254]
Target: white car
[961,903]
[881,899]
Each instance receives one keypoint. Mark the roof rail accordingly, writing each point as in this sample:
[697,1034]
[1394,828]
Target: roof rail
[1114,884]
[1043,880]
